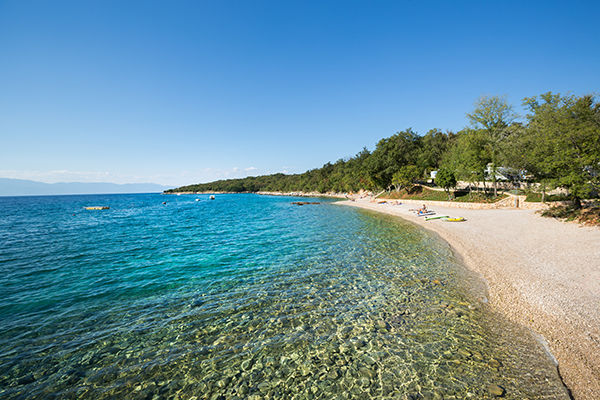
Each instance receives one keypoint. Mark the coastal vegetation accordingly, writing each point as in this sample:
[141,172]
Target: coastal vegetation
[419,192]
[555,145]
[586,215]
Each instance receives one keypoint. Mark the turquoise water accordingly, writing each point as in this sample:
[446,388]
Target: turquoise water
[245,296]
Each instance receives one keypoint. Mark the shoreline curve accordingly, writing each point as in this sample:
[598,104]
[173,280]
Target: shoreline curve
[541,273]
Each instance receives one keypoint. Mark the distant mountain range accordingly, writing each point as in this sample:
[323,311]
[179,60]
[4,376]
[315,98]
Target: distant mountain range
[21,187]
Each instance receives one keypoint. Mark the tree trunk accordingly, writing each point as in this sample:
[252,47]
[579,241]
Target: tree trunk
[543,192]
[494,182]
[577,203]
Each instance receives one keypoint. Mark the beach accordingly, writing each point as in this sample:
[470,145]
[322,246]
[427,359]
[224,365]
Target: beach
[541,273]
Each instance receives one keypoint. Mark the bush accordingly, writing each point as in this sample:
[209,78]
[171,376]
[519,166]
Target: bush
[590,214]
[535,197]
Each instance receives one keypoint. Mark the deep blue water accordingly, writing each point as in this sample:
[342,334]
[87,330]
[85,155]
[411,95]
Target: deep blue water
[244,296]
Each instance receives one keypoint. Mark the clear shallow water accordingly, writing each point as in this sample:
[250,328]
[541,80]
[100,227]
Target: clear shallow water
[244,297]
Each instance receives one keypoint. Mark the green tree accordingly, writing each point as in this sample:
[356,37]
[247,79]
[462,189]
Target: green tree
[564,135]
[390,155]
[433,145]
[445,178]
[406,177]
[493,115]
[468,156]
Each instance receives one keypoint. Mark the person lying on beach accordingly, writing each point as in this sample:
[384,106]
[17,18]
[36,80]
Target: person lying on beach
[422,210]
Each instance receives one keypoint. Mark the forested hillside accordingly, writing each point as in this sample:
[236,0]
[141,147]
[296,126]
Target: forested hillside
[557,144]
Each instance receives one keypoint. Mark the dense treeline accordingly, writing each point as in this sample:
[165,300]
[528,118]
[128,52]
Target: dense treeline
[557,144]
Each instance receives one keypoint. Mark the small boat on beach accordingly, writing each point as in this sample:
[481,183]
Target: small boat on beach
[422,214]
[438,217]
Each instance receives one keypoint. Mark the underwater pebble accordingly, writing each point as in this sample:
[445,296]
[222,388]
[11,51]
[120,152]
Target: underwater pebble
[496,390]
[464,352]
[246,365]
[264,387]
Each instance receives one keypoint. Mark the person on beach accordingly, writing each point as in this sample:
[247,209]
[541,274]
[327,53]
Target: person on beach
[422,210]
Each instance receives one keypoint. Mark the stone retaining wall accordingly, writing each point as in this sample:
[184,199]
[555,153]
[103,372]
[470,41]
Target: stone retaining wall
[511,201]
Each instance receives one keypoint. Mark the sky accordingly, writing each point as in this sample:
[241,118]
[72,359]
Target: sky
[181,92]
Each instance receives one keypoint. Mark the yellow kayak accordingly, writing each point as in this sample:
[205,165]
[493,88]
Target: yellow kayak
[458,219]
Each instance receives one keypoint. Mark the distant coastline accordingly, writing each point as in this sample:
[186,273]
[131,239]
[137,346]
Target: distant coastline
[262,193]
[22,187]
[207,192]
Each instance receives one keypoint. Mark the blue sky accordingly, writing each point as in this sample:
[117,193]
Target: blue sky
[180,92]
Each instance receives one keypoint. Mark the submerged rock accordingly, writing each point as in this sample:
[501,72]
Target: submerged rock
[243,390]
[223,382]
[264,387]
[305,369]
[368,359]
[380,324]
[246,365]
[367,373]
[496,390]
[464,352]
[25,380]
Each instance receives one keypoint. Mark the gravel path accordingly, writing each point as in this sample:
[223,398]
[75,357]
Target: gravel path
[540,272]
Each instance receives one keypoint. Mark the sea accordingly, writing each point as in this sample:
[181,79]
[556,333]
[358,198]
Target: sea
[246,297]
